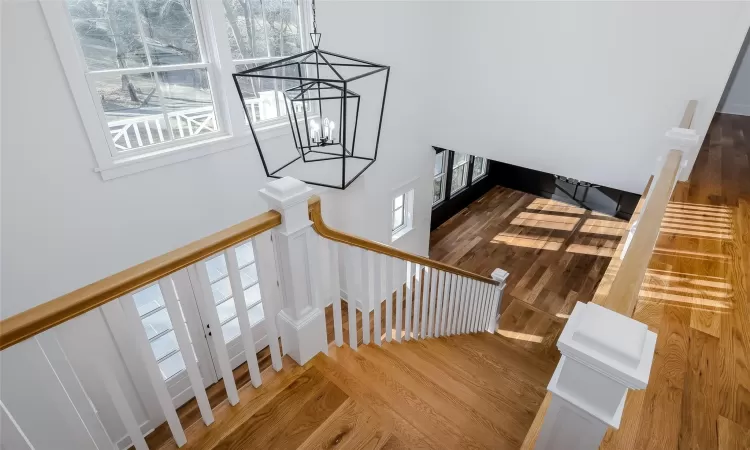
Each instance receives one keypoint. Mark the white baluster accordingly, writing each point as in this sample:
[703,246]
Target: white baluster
[149,361]
[433,295]
[450,295]
[409,295]
[148,132]
[179,125]
[125,135]
[364,296]
[389,288]
[467,304]
[486,306]
[158,129]
[377,297]
[338,330]
[216,333]
[459,302]
[137,132]
[399,267]
[351,295]
[13,437]
[417,300]
[439,300]
[186,349]
[265,264]
[473,310]
[246,332]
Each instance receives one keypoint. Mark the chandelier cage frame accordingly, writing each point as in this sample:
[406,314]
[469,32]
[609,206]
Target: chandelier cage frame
[308,94]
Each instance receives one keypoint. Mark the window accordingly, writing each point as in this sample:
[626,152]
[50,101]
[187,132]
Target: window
[438,187]
[260,32]
[401,222]
[460,172]
[218,276]
[399,215]
[154,76]
[480,169]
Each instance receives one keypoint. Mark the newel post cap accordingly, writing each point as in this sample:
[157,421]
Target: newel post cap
[500,276]
[286,192]
[617,346]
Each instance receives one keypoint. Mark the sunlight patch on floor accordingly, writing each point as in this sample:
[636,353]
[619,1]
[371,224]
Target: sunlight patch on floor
[521,336]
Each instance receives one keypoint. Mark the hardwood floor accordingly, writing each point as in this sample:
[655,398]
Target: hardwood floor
[695,296]
[555,253]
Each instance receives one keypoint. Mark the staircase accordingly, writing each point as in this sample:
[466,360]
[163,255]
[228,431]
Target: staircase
[463,391]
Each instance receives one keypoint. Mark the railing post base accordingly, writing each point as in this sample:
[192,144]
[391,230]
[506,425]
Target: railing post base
[301,322]
[604,355]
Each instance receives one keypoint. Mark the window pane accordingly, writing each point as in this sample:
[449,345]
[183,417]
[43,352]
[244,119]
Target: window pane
[283,27]
[480,168]
[459,178]
[439,161]
[108,33]
[398,202]
[437,189]
[188,102]
[216,268]
[157,323]
[459,158]
[256,314]
[226,310]
[164,345]
[245,254]
[170,31]
[252,295]
[398,218]
[221,290]
[132,107]
[172,366]
[249,276]
[244,24]
[231,330]
[263,101]
[148,299]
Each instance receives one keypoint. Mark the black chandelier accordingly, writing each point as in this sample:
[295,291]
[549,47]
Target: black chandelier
[333,126]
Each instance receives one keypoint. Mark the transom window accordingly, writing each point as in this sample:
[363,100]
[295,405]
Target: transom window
[159,71]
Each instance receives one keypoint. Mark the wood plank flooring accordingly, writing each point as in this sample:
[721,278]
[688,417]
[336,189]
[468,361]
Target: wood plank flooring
[695,297]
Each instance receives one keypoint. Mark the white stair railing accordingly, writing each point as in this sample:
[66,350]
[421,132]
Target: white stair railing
[430,299]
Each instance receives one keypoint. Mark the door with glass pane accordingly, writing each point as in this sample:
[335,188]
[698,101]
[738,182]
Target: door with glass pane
[159,329]
[217,272]
[192,291]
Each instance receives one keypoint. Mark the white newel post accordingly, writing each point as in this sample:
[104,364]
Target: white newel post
[301,322]
[603,355]
[501,277]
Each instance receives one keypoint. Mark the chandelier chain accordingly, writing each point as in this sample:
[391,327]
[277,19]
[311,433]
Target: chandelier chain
[315,24]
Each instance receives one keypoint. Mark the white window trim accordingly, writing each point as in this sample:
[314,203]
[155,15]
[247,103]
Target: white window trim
[408,191]
[227,106]
[466,165]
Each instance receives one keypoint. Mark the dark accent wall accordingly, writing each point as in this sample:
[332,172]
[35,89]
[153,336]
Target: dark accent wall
[604,199]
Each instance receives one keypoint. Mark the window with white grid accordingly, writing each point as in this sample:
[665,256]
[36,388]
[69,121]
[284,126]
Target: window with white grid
[438,187]
[153,78]
[480,169]
[460,176]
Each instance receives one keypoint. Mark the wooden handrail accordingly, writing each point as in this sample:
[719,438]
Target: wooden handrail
[623,294]
[54,312]
[322,229]
[687,116]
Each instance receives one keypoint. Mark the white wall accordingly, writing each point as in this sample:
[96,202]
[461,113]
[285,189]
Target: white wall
[584,89]
[736,98]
